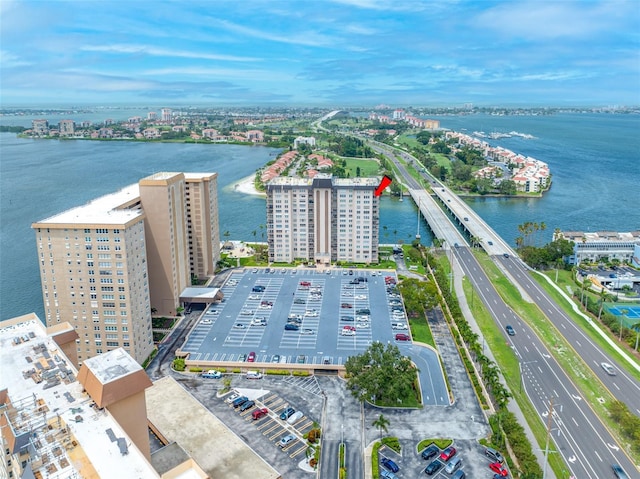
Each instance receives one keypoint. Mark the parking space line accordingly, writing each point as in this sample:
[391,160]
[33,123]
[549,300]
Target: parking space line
[278,434]
[275,426]
[299,451]
[262,425]
[305,425]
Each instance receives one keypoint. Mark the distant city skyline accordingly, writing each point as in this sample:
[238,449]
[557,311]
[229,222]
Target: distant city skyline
[320,53]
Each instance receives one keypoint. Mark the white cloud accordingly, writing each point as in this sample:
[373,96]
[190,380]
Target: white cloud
[9,60]
[307,38]
[550,20]
[163,52]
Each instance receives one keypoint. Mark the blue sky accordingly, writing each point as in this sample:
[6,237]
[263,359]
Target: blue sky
[320,52]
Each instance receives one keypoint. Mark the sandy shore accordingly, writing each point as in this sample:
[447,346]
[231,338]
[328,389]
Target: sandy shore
[246,186]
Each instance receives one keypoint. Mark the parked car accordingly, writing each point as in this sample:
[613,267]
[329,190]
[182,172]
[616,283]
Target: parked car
[346,305]
[239,326]
[252,357]
[299,301]
[348,332]
[399,326]
[275,358]
[296,416]
[239,401]
[253,375]
[346,318]
[448,453]
[291,327]
[287,413]
[499,469]
[453,466]
[258,289]
[212,374]
[389,464]
[494,455]
[430,452]
[206,321]
[387,474]
[510,330]
[403,337]
[289,438]
[231,398]
[259,322]
[258,413]
[247,405]
[433,467]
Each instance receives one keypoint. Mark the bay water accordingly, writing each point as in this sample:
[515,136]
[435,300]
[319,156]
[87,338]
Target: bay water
[594,160]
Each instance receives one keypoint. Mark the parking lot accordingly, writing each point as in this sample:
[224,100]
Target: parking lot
[469,456]
[309,316]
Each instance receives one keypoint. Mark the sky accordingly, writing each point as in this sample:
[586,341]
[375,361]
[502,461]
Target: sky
[327,53]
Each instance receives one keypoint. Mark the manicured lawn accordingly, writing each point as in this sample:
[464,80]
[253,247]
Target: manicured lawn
[368,167]
[420,331]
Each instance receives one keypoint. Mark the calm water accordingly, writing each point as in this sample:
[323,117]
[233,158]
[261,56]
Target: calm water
[593,158]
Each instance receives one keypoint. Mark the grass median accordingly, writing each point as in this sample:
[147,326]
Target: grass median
[594,392]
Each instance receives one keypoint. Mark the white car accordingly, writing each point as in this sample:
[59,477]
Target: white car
[307,331]
[361,296]
[254,296]
[246,312]
[295,417]
[399,326]
[348,332]
[608,368]
[312,313]
[206,321]
[258,322]
[212,312]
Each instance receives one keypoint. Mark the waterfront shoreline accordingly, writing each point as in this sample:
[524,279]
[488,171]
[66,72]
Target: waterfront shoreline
[247,186]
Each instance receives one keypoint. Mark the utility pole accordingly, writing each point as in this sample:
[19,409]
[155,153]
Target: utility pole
[546,448]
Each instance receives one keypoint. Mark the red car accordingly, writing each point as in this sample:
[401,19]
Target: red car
[305,283]
[405,337]
[346,305]
[252,357]
[498,469]
[351,328]
[448,453]
[258,413]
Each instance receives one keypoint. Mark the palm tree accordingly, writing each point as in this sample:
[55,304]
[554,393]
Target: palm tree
[636,328]
[603,298]
[623,313]
[381,423]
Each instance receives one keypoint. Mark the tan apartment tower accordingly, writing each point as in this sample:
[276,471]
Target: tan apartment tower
[163,199]
[93,272]
[202,223]
[323,219]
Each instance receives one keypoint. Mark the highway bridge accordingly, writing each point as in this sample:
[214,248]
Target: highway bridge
[581,438]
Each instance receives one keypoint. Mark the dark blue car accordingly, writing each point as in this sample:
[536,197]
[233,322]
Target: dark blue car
[389,464]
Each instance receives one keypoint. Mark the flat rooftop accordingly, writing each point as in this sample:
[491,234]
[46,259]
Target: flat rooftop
[102,210]
[51,415]
[212,445]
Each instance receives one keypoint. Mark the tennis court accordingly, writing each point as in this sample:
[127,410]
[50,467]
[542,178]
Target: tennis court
[630,313]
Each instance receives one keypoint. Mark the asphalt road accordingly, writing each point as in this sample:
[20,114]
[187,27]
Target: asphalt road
[583,441]
[622,386]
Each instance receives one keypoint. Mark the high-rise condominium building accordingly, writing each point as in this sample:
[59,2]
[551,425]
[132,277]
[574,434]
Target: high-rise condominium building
[323,219]
[166,114]
[106,265]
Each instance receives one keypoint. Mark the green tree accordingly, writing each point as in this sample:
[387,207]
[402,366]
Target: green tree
[381,424]
[380,374]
